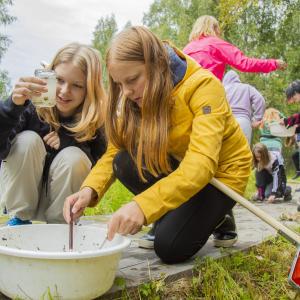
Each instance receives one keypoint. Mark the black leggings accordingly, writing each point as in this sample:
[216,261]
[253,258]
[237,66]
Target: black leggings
[182,232]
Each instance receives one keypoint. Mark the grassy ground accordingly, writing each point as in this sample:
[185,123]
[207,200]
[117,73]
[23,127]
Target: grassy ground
[115,197]
[261,273]
[250,189]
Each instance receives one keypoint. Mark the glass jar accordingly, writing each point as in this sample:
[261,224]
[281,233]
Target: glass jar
[47,99]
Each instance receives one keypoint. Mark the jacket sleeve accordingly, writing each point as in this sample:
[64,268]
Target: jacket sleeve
[235,58]
[11,123]
[292,120]
[101,176]
[257,103]
[210,108]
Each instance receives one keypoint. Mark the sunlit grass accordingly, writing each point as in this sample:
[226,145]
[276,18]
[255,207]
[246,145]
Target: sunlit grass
[251,188]
[115,197]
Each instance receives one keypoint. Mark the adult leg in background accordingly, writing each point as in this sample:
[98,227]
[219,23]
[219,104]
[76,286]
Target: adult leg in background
[246,127]
[296,161]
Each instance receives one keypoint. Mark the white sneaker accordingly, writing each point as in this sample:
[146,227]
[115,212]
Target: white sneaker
[146,241]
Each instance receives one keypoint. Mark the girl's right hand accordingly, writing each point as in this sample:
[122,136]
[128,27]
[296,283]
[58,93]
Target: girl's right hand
[281,65]
[78,201]
[256,124]
[27,87]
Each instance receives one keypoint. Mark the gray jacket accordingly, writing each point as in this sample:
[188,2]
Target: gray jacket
[244,99]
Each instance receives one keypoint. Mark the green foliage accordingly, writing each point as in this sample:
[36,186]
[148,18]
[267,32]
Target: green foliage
[270,29]
[152,290]
[262,29]
[5,19]
[229,11]
[4,84]
[173,19]
[104,31]
[127,25]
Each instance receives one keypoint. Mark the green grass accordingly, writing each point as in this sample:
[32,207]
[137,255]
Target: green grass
[260,273]
[114,198]
[251,188]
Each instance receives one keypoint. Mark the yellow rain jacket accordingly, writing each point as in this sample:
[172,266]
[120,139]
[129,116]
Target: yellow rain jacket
[205,138]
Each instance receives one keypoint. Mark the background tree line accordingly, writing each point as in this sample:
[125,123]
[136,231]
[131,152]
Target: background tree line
[5,19]
[264,29]
[260,28]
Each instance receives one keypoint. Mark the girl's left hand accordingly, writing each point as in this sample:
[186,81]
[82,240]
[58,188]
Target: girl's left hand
[52,140]
[128,219]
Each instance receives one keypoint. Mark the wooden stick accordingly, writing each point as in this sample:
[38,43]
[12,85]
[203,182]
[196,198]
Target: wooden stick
[71,231]
[283,230]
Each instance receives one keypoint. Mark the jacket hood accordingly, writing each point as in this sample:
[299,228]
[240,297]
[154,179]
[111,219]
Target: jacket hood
[231,77]
[178,65]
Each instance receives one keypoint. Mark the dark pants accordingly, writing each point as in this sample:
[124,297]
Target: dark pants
[263,178]
[182,232]
[264,181]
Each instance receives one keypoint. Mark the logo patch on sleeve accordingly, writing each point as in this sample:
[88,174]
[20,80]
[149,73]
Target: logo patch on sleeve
[206,110]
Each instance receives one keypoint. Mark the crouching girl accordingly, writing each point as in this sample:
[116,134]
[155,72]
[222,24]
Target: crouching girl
[47,152]
[270,174]
[170,130]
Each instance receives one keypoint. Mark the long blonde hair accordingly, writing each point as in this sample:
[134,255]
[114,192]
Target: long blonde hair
[204,26]
[144,131]
[90,116]
[271,114]
[264,156]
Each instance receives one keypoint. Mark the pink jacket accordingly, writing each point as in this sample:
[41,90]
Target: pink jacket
[214,54]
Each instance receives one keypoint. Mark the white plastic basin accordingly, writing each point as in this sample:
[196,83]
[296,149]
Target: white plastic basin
[35,261]
[281,131]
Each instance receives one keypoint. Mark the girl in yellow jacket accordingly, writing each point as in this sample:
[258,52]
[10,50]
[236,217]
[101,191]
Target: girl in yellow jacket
[170,131]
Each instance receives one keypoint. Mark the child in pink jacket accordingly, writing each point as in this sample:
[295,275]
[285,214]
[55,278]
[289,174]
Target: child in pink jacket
[213,53]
